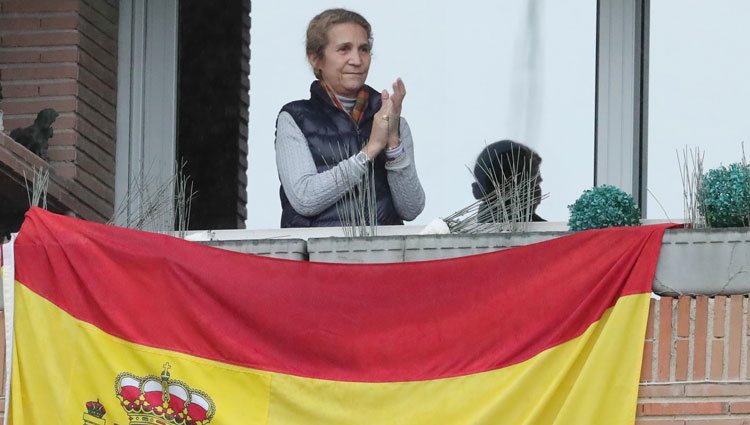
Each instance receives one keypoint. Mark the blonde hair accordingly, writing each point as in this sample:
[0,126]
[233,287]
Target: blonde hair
[317,29]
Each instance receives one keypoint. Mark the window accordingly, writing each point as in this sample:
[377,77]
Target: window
[699,94]
[475,73]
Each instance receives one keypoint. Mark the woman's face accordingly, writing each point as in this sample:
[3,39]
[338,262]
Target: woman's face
[346,59]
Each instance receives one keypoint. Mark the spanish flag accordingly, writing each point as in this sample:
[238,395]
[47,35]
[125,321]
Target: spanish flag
[116,326]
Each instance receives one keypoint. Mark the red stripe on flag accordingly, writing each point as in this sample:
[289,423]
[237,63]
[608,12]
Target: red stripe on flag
[348,322]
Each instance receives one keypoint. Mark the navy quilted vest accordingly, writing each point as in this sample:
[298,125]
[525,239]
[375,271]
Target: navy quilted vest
[332,136]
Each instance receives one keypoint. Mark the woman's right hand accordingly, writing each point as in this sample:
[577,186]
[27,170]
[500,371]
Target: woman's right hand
[380,127]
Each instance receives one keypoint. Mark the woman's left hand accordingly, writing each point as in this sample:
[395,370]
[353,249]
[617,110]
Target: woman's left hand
[399,92]
[396,100]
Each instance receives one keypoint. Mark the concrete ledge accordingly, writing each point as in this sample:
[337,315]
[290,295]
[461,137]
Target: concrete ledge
[704,261]
[289,249]
[389,249]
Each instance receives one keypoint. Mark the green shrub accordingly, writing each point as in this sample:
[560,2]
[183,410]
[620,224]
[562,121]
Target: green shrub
[603,206]
[724,196]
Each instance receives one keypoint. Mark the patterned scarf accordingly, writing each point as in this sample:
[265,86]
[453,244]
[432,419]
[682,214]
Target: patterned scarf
[358,112]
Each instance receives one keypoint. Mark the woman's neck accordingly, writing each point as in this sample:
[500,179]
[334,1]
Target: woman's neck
[347,102]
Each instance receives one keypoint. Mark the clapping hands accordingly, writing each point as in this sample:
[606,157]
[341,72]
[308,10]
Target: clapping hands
[386,122]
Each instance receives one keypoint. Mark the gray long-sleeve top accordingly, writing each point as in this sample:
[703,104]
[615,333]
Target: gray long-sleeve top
[311,192]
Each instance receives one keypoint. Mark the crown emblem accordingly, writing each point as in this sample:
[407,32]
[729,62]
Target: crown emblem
[94,414]
[162,400]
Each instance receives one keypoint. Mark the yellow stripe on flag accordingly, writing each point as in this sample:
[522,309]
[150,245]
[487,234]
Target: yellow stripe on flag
[63,363]
[591,379]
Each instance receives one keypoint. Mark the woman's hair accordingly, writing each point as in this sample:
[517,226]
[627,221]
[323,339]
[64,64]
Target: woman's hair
[317,29]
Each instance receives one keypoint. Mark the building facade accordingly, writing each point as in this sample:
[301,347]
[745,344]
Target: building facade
[127,115]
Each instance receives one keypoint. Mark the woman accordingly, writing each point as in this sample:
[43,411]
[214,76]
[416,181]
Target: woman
[345,133]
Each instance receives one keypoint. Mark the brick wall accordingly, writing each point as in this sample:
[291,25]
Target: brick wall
[62,54]
[696,368]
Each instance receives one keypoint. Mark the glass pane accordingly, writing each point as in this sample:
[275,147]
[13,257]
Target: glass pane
[475,73]
[699,92]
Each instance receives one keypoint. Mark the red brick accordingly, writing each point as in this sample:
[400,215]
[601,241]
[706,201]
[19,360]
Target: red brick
[98,120]
[96,136]
[700,337]
[717,359]
[82,209]
[15,153]
[683,316]
[717,421]
[653,421]
[86,163]
[19,23]
[98,103]
[105,75]
[8,56]
[65,121]
[11,123]
[669,390]
[718,390]
[648,352]
[665,338]
[735,336]
[68,54]
[685,408]
[63,137]
[59,88]
[719,315]
[65,170]
[40,72]
[96,185]
[739,407]
[12,106]
[104,158]
[97,36]
[17,91]
[40,5]
[105,9]
[651,309]
[67,22]
[99,21]
[97,86]
[39,39]
[681,366]
[61,153]
[94,201]
[106,58]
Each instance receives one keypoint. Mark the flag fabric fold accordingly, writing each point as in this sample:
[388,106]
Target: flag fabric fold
[151,328]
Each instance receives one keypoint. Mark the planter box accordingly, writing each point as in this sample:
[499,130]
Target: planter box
[395,249]
[289,249]
[703,261]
